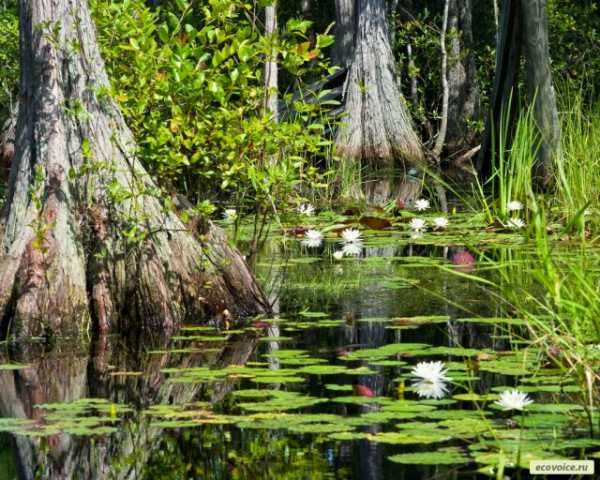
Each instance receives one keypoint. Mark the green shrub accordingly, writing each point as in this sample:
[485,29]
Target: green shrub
[9,58]
[189,80]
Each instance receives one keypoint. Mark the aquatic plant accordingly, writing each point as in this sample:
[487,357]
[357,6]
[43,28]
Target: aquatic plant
[429,389]
[513,400]
[352,249]
[441,223]
[351,235]
[516,223]
[306,209]
[230,214]
[418,225]
[421,205]
[431,372]
[514,206]
[312,238]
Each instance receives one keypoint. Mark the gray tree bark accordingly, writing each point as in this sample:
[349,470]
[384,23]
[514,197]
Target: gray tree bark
[345,31]
[271,72]
[524,28]
[540,86]
[503,100]
[7,145]
[75,187]
[377,132]
[464,101]
[441,137]
[305,8]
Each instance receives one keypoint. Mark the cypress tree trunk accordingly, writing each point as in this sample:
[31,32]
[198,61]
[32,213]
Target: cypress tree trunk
[377,133]
[463,105]
[305,7]
[540,87]
[524,28]
[503,100]
[76,187]
[345,31]
[7,145]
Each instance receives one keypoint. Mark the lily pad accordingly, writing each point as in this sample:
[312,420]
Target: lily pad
[445,456]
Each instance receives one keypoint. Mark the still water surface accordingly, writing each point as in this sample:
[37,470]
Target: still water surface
[321,390]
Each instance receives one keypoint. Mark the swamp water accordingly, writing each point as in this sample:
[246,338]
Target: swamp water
[323,389]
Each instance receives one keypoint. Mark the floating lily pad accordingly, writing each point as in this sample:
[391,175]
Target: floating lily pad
[421,320]
[320,428]
[348,436]
[13,366]
[15,424]
[386,351]
[338,388]
[410,438]
[323,369]
[446,456]
[493,320]
[387,363]
[456,351]
[313,314]
[281,401]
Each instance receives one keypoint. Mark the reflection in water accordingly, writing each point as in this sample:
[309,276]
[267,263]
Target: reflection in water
[112,372]
[360,292]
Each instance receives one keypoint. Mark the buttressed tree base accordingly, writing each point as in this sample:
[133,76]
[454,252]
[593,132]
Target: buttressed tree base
[88,237]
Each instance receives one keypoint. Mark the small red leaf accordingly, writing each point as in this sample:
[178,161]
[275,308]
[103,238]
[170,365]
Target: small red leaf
[362,390]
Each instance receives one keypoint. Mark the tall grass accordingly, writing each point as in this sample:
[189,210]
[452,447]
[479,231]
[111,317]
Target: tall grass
[512,166]
[555,288]
[577,165]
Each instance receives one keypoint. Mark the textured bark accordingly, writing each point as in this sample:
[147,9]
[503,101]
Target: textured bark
[65,256]
[540,87]
[441,137]
[503,100]
[305,8]
[414,81]
[464,100]
[496,13]
[271,73]
[524,27]
[377,132]
[345,31]
[7,145]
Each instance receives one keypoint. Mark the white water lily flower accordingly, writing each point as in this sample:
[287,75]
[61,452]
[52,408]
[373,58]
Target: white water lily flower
[312,239]
[418,225]
[514,206]
[306,209]
[351,235]
[338,255]
[513,400]
[440,222]
[352,249]
[431,371]
[421,205]
[230,214]
[516,223]
[435,390]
